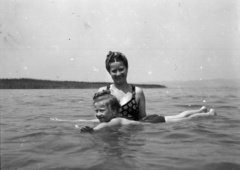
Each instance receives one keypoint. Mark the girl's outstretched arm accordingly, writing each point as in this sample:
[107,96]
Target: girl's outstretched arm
[94,129]
[113,123]
[105,125]
[77,120]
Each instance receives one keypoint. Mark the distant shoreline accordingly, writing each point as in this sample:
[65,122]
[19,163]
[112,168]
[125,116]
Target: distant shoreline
[26,83]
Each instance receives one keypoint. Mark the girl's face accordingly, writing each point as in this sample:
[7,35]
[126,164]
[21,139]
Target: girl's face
[118,72]
[102,112]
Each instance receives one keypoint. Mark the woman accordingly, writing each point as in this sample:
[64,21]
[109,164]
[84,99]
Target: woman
[131,98]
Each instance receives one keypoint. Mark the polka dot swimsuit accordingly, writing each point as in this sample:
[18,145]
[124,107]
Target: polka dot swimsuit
[129,110]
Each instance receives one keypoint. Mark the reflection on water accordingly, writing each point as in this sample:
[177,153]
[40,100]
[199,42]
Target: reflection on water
[30,140]
[117,149]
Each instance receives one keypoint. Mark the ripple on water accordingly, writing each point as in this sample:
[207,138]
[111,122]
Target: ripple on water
[222,166]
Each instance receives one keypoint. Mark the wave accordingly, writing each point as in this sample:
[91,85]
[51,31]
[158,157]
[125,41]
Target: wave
[30,135]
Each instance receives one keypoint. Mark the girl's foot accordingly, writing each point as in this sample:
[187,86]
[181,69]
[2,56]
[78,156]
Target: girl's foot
[212,112]
[203,109]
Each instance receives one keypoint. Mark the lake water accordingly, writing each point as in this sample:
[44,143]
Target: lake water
[30,140]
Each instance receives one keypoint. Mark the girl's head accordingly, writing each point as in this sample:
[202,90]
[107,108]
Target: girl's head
[115,57]
[106,106]
[117,66]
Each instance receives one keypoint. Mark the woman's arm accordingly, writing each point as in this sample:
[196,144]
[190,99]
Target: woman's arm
[141,102]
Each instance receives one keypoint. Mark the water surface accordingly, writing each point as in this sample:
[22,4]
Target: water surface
[30,140]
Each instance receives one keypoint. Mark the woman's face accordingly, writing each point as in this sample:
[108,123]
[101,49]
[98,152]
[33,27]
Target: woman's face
[118,72]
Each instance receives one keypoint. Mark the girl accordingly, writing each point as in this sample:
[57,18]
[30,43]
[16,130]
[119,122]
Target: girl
[107,108]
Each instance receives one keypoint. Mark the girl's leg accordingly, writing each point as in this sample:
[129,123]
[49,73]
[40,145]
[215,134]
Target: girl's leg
[212,112]
[190,114]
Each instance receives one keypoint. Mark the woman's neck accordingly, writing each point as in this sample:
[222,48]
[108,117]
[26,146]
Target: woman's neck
[122,86]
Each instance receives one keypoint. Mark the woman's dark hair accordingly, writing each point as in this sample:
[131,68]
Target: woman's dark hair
[108,99]
[114,57]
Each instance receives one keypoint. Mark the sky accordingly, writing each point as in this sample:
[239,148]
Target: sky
[164,40]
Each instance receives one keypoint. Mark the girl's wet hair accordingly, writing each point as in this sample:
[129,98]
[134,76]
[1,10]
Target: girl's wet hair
[114,57]
[108,99]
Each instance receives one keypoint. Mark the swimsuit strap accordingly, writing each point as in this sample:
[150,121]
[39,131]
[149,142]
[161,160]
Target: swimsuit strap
[133,92]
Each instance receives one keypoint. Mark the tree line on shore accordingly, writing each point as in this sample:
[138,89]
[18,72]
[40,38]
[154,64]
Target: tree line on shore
[25,83]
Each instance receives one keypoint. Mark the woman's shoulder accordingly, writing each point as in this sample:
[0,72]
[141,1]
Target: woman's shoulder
[138,90]
[139,94]
[103,88]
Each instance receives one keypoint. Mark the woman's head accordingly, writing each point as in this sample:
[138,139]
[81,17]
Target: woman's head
[115,57]
[117,66]
[106,106]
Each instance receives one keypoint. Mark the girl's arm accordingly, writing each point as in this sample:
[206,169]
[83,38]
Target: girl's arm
[103,125]
[113,123]
[78,120]
[94,129]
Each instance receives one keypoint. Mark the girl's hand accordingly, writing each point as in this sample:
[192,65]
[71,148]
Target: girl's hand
[55,119]
[86,129]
